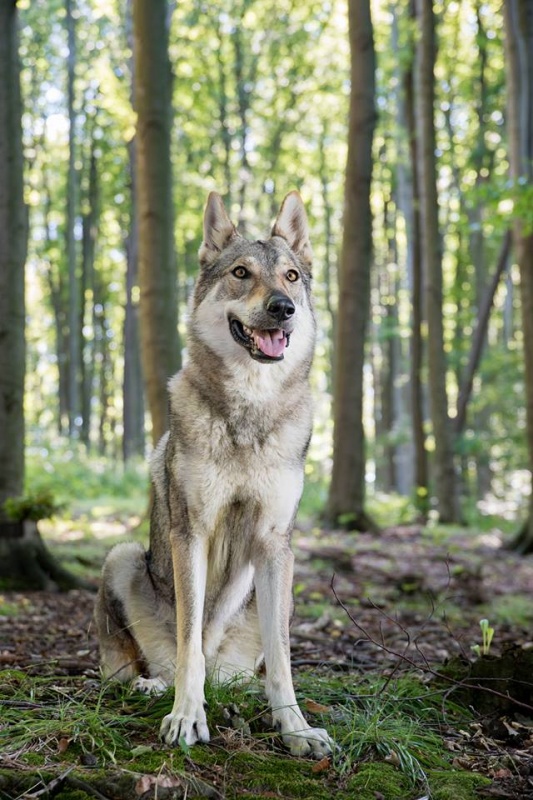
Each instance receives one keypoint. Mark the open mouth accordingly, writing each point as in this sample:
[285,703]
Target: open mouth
[267,345]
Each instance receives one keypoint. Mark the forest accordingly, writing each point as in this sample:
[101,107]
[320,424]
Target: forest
[407,128]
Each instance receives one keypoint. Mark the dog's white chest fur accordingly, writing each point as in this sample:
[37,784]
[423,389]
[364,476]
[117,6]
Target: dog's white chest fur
[242,460]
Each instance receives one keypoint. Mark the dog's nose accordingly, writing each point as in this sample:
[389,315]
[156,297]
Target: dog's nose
[281,307]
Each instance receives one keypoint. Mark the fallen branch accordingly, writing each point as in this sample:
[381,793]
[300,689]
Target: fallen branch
[455,684]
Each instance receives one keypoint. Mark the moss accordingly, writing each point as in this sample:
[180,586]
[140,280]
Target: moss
[379,778]
[455,785]
[289,778]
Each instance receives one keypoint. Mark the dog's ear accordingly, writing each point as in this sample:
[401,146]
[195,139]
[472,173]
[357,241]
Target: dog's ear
[292,226]
[219,230]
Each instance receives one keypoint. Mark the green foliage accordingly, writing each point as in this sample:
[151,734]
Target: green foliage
[34,507]
[72,473]
[389,733]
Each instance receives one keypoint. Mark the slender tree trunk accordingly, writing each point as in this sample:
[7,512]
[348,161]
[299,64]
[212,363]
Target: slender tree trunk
[24,561]
[444,470]
[328,257]
[480,336]
[519,62]
[57,294]
[89,234]
[417,314]
[13,244]
[243,104]
[133,396]
[73,272]
[225,132]
[347,488]
[157,274]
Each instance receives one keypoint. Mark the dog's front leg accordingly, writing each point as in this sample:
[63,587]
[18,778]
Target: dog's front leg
[273,581]
[187,720]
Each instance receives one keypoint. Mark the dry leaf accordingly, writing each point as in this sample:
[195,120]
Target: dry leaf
[322,765]
[316,708]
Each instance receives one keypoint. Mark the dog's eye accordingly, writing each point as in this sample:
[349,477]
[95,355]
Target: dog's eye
[240,272]
[292,275]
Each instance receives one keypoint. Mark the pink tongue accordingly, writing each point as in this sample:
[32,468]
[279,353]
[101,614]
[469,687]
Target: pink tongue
[271,343]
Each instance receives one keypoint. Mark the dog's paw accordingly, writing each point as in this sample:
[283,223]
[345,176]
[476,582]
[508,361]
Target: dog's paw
[184,725]
[151,686]
[313,742]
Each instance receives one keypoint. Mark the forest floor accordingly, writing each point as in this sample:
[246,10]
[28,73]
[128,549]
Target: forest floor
[382,653]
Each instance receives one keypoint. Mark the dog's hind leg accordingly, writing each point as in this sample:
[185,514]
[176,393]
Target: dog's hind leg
[240,651]
[133,621]
[120,657]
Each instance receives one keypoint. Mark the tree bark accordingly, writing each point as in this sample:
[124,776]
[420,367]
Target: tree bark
[347,488]
[74,371]
[27,565]
[133,396]
[157,274]
[409,202]
[518,16]
[23,556]
[89,234]
[445,483]
[480,336]
[13,245]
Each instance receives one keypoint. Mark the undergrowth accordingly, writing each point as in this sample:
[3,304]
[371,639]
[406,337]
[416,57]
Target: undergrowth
[387,728]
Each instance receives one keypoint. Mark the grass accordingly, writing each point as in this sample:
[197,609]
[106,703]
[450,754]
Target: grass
[390,732]
[392,729]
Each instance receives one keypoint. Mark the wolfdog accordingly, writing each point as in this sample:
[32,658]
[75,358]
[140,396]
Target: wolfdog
[213,594]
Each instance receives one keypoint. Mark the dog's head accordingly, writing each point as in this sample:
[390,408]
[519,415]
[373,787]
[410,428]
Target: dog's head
[252,297]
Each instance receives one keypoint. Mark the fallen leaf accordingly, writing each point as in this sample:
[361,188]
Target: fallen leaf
[316,708]
[322,765]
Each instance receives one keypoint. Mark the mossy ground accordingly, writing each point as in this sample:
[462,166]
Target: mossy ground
[101,741]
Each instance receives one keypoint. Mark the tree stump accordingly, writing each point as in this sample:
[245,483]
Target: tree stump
[27,564]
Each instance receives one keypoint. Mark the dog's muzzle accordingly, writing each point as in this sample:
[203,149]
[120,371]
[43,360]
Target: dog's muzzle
[263,345]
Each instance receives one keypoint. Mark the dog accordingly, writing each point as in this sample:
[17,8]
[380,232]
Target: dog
[213,594]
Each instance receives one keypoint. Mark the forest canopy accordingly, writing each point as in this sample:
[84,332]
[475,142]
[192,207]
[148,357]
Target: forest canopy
[256,94]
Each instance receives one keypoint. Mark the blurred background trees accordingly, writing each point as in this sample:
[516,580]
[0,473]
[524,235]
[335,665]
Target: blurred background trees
[252,98]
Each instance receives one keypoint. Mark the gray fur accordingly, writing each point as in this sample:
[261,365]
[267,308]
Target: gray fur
[215,587]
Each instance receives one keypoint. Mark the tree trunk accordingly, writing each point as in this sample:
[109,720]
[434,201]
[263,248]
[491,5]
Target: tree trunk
[24,560]
[445,483]
[132,390]
[27,565]
[89,232]
[480,336]
[328,257]
[412,224]
[157,274]
[74,350]
[13,244]
[519,63]
[133,399]
[347,488]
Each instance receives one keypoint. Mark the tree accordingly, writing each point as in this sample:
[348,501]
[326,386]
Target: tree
[416,343]
[157,265]
[13,243]
[443,463]
[133,398]
[24,560]
[347,488]
[74,299]
[519,36]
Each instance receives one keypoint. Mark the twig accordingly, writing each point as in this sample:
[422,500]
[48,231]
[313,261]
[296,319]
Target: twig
[426,668]
[50,788]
